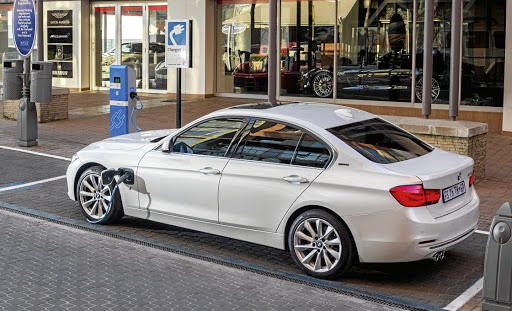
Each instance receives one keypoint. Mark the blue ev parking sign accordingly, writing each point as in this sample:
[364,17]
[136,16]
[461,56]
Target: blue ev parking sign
[178,48]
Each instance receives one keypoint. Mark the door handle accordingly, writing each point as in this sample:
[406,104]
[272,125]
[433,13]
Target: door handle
[209,171]
[295,179]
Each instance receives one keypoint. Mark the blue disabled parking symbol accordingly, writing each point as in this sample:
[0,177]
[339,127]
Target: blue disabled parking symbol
[177,33]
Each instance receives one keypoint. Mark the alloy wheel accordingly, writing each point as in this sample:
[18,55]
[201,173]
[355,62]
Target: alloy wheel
[322,84]
[94,196]
[436,89]
[317,245]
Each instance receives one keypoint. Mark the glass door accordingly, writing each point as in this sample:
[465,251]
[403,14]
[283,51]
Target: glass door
[132,39]
[132,35]
[156,32]
[103,45]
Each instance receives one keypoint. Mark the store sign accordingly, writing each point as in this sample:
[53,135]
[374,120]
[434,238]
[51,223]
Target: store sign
[60,42]
[24,26]
[233,29]
[60,18]
[60,35]
[62,70]
[178,45]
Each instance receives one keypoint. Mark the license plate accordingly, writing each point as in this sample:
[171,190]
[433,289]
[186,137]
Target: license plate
[454,191]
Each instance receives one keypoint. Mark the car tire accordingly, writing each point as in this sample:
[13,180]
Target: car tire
[322,84]
[94,201]
[436,88]
[328,255]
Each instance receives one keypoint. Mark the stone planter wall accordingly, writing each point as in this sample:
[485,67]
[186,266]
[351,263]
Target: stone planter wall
[46,112]
[461,137]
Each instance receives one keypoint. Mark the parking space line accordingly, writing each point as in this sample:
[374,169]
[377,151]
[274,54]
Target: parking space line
[35,153]
[27,185]
[466,296]
[482,232]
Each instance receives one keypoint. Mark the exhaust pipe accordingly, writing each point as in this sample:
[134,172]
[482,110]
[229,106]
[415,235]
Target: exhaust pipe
[438,256]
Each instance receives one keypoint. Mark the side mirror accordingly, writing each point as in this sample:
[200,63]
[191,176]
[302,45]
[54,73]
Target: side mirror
[167,144]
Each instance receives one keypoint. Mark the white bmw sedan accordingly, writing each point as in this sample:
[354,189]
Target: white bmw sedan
[333,185]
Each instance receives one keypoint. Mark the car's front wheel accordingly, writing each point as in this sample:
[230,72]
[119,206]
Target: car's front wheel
[95,199]
[320,244]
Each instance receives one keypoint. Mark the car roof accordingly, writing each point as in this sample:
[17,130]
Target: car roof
[322,115]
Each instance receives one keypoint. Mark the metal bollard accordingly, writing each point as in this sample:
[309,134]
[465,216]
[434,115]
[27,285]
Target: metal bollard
[497,290]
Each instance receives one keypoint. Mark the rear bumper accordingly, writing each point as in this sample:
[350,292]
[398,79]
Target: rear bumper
[411,234]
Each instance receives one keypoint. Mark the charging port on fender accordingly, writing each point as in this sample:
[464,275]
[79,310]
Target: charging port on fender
[130,178]
[107,176]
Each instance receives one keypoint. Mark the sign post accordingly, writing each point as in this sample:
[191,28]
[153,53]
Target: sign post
[178,53]
[24,33]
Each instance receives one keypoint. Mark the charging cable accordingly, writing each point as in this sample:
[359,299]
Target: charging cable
[134,95]
[119,181]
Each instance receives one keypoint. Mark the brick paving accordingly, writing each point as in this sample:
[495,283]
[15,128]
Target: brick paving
[66,137]
[51,267]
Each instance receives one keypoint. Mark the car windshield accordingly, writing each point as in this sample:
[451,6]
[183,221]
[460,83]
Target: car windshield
[380,141]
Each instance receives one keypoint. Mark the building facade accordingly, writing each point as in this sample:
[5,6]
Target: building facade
[363,53]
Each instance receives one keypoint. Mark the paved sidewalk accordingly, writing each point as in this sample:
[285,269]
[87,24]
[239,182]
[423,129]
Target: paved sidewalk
[45,266]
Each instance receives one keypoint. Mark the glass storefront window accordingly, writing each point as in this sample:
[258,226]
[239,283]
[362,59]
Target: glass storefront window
[242,46]
[307,48]
[374,50]
[483,53]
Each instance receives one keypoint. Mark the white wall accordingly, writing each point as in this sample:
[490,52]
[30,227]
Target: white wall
[197,80]
[507,100]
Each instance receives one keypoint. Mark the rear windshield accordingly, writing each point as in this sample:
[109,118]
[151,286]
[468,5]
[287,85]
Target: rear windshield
[380,141]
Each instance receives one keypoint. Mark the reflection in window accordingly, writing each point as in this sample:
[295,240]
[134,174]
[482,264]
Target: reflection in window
[307,48]
[311,153]
[269,142]
[242,46]
[209,138]
[380,141]
[374,50]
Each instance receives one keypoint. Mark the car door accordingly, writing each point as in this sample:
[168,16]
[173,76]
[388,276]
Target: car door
[271,166]
[184,182]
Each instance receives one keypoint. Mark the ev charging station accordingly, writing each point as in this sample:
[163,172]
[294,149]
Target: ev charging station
[123,100]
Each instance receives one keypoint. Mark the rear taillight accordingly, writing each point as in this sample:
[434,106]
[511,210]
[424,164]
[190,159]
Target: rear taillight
[415,195]
[472,179]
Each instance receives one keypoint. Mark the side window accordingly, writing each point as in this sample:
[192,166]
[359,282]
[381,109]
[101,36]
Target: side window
[269,142]
[125,48]
[311,153]
[209,138]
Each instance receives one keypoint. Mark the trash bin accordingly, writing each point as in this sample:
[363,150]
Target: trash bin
[13,82]
[41,82]
[497,292]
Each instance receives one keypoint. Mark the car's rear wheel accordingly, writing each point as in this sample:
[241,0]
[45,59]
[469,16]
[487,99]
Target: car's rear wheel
[320,244]
[94,198]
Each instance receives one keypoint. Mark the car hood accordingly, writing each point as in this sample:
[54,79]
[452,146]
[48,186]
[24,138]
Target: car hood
[132,141]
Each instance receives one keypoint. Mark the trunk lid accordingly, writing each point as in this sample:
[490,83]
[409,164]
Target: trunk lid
[441,170]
